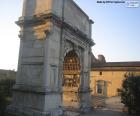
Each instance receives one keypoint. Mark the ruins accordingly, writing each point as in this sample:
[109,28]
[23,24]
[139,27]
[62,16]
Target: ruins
[54,59]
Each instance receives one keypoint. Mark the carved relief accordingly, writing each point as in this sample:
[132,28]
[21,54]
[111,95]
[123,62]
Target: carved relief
[73,81]
[42,31]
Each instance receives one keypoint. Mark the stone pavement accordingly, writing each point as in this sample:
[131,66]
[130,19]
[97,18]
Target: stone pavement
[113,107]
[98,112]
[103,112]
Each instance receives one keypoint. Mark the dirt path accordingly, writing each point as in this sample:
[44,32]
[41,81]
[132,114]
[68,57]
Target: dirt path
[114,104]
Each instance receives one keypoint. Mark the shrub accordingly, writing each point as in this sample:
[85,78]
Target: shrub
[130,93]
[5,94]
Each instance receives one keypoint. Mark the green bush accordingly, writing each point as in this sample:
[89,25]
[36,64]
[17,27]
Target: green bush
[130,93]
[5,94]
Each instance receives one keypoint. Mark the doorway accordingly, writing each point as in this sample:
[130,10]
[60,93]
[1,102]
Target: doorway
[71,80]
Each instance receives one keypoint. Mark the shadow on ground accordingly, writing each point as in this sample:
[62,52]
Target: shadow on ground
[104,112]
[104,107]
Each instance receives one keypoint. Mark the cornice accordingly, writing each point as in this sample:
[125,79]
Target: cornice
[115,69]
[41,19]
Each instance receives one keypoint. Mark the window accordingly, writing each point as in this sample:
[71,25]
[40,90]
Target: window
[100,87]
[100,73]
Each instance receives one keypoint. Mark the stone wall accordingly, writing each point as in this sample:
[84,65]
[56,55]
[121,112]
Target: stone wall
[45,33]
[113,81]
[73,14]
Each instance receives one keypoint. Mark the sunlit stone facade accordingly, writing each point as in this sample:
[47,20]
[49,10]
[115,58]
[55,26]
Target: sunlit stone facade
[51,32]
[106,78]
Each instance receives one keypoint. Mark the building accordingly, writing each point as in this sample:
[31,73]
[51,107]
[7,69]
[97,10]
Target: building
[107,77]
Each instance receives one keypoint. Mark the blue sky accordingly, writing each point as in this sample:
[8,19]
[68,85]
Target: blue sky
[116,31]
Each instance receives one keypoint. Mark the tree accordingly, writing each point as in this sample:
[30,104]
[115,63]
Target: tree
[130,93]
[5,94]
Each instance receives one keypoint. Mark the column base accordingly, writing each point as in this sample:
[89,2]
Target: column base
[34,103]
[22,111]
[85,101]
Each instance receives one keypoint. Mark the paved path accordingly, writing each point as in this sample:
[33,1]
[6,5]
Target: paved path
[113,107]
[101,112]
[114,104]
[98,112]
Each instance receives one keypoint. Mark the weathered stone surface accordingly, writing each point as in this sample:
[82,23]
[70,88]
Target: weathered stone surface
[48,32]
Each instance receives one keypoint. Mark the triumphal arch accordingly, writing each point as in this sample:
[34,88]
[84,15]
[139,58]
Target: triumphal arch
[54,59]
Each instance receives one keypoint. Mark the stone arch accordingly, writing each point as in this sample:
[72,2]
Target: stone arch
[71,49]
[70,46]
[71,79]
[43,55]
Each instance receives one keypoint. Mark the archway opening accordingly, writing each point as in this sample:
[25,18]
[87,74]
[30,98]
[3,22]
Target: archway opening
[71,80]
[101,87]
